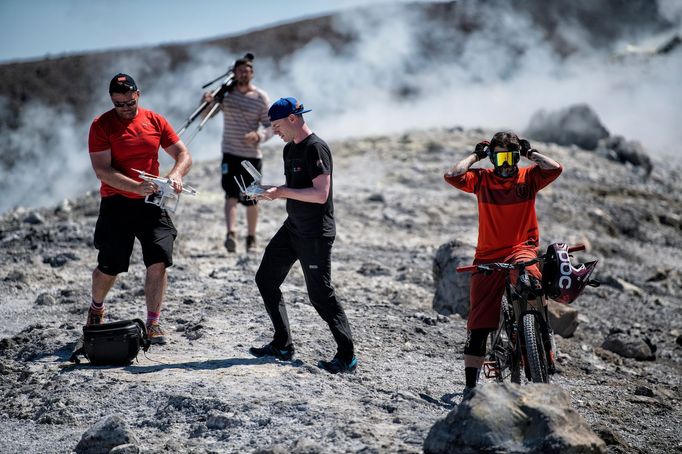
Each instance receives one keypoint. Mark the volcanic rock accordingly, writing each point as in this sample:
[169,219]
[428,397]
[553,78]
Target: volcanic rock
[512,418]
[574,125]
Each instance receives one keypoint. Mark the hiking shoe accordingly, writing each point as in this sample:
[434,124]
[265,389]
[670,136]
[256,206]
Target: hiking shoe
[156,335]
[94,317]
[285,354]
[230,242]
[250,243]
[338,365]
[467,392]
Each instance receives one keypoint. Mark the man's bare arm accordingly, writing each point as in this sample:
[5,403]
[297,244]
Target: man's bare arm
[544,162]
[462,166]
[210,99]
[101,163]
[183,161]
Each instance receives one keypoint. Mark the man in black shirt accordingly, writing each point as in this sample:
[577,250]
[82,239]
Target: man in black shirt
[307,235]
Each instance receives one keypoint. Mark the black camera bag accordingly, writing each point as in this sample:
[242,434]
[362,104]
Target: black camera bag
[113,344]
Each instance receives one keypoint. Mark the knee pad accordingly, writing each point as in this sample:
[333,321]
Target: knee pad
[476,340]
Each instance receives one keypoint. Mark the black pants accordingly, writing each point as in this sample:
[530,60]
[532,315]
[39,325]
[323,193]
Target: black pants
[315,257]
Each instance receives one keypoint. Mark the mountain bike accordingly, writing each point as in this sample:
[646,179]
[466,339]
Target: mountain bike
[524,338]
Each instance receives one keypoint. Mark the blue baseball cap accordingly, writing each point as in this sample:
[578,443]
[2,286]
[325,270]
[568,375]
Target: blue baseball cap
[284,107]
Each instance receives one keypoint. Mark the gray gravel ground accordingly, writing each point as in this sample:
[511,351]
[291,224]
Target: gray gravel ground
[204,393]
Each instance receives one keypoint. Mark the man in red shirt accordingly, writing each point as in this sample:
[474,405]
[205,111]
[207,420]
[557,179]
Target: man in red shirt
[507,231]
[128,137]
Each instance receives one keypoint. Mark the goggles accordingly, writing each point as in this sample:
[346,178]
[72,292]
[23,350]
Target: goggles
[130,103]
[510,157]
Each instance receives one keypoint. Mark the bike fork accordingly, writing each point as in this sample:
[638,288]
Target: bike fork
[551,354]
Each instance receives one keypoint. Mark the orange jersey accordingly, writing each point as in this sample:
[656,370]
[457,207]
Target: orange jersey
[506,208]
[134,144]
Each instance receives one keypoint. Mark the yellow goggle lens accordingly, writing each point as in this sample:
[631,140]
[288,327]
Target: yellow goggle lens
[501,158]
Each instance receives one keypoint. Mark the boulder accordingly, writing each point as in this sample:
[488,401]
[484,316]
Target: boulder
[34,218]
[45,299]
[511,418]
[125,449]
[574,125]
[617,148]
[108,433]
[452,288]
[629,346]
[16,276]
[563,318]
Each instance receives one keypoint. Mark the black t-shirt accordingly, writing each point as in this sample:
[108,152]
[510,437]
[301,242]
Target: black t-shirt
[302,163]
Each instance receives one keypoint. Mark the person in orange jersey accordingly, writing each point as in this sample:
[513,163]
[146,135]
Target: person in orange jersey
[507,230]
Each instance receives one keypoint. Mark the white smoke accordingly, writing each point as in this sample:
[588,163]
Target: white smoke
[494,77]
[483,85]
[53,162]
[671,10]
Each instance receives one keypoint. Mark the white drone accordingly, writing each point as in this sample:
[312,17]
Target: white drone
[254,190]
[165,194]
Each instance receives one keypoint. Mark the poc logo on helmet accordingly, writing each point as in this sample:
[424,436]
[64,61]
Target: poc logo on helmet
[562,281]
[564,268]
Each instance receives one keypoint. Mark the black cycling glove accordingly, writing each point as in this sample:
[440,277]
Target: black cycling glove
[526,150]
[481,150]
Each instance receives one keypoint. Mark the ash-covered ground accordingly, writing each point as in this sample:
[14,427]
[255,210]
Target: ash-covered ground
[203,392]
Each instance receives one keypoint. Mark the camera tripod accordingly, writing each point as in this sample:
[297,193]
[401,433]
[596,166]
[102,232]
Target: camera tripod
[217,94]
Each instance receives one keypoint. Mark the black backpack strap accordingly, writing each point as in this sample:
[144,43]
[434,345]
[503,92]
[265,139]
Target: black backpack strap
[78,349]
[145,337]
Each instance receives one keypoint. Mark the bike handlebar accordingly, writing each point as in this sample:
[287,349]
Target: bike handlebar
[468,268]
[510,266]
[576,248]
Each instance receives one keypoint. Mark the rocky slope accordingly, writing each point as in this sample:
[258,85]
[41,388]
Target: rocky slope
[203,392]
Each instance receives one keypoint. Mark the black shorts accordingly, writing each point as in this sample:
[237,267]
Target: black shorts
[231,167]
[120,221]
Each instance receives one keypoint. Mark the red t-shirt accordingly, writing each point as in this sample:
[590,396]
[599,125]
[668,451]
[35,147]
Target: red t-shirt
[134,144]
[506,208]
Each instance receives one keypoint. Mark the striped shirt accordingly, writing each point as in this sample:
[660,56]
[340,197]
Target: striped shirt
[242,113]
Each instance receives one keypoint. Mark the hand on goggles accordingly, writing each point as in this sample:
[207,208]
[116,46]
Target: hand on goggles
[510,157]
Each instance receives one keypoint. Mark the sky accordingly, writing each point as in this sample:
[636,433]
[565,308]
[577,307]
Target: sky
[31,29]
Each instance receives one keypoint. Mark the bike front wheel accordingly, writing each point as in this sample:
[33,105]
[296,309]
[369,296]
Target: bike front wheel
[535,350]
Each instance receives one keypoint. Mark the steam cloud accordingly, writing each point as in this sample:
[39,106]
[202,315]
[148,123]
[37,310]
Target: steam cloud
[385,83]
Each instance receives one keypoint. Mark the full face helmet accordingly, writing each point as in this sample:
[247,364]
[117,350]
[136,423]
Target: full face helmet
[504,153]
[562,281]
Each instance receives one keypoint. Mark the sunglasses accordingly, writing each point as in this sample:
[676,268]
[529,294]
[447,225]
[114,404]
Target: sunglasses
[510,157]
[130,103]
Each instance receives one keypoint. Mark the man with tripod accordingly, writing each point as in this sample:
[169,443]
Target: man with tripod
[245,108]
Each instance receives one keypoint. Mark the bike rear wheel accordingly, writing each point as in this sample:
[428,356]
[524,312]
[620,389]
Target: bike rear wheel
[535,350]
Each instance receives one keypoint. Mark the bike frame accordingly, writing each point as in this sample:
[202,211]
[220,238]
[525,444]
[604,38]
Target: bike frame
[501,357]
[512,310]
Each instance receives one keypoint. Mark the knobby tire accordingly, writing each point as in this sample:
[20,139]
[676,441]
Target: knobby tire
[535,351]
